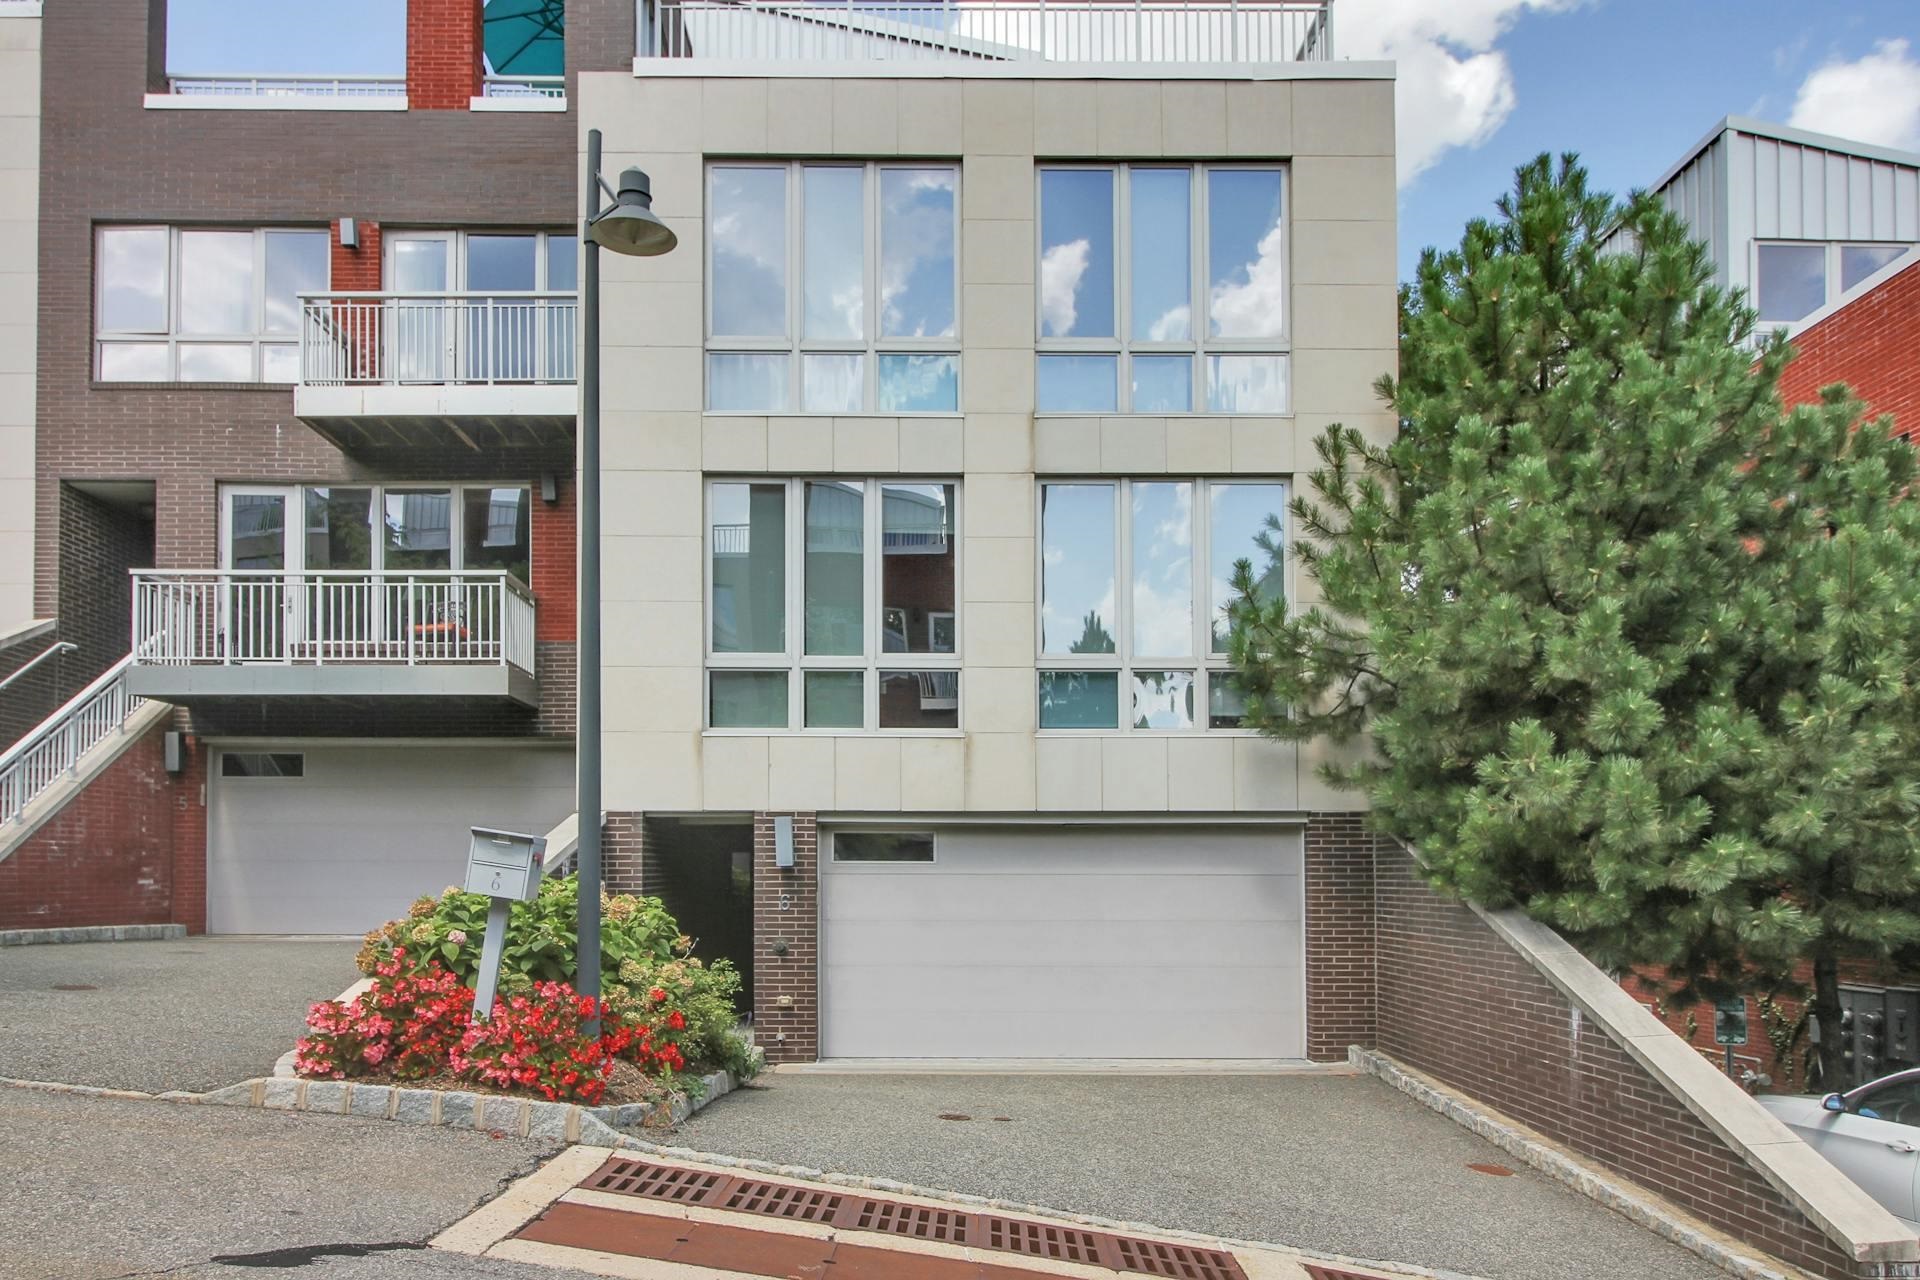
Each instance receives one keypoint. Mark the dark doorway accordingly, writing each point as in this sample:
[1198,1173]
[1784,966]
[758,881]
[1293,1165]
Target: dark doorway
[704,872]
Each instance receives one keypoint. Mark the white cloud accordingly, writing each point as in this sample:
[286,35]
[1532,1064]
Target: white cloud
[1875,98]
[1455,88]
[1061,268]
[1253,308]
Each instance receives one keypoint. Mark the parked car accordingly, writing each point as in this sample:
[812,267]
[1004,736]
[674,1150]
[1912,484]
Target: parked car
[1871,1134]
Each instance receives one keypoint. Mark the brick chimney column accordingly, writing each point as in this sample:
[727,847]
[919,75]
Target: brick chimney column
[444,54]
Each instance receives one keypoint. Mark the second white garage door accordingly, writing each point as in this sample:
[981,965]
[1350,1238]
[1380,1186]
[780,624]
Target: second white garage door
[1067,943]
[363,831]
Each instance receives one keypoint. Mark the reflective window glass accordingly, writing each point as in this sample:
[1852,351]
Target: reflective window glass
[1076,278]
[747,700]
[747,226]
[1858,261]
[1161,261]
[134,362]
[339,527]
[216,282]
[919,384]
[563,263]
[1225,703]
[1162,593]
[747,382]
[216,362]
[1247,384]
[1791,281]
[917,226]
[1076,568]
[835,699]
[1163,699]
[296,264]
[917,550]
[835,582]
[419,529]
[133,279]
[835,227]
[1162,384]
[1076,384]
[829,383]
[747,538]
[1079,699]
[1246,254]
[920,699]
[1248,523]
[497,530]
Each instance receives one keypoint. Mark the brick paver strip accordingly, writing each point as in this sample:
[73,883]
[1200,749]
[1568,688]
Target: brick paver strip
[759,1253]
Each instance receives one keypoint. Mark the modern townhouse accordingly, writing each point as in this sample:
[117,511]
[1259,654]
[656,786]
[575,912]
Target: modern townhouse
[994,336]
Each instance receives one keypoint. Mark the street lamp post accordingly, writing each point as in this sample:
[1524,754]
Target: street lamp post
[627,226]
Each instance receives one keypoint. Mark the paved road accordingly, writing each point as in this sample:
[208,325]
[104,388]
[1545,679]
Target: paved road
[95,1189]
[1331,1164]
[192,1014]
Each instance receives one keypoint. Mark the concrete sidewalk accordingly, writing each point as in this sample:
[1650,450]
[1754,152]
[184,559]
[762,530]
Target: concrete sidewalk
[193,1014]
[1329,1164]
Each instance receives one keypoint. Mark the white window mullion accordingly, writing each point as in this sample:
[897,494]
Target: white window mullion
[1123,601]
[1123,285]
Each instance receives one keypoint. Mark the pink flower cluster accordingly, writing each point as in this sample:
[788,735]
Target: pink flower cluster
[404,1024]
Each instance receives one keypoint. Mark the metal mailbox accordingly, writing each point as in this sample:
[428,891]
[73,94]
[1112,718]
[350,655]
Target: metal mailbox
[505,864]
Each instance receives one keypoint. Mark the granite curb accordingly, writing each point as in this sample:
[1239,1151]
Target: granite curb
[1642,1207]
[520,1117]
[93,933]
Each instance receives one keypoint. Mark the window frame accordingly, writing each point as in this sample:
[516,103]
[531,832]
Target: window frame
[1204,663]
[299,773]
[171,336]
[1123,347]
[1833,262]
[793,659]
[457,239]
[795,346]
[296,495]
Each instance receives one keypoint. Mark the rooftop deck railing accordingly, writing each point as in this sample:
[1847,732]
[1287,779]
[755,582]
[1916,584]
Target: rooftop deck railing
[1125,31]
[524,87]
[436,338]
[229,617]
[293,86]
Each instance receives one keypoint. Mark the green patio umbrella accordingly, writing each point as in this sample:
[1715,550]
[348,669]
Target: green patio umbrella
[526,37]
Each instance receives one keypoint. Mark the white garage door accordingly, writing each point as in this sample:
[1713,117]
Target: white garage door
[363,831]
[1087,943]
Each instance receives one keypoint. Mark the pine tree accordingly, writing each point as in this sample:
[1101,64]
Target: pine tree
[1632,646]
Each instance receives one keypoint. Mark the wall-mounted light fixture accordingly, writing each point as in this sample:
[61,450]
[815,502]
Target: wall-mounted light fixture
[549,487]
[349,233]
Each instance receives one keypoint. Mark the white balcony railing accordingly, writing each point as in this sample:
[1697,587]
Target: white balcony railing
[524,87]
[436,338]
[41,758]
[1126,31]
[228,617]
[295,86]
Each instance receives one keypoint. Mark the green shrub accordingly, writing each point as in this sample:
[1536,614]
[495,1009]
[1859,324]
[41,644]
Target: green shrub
[641,950]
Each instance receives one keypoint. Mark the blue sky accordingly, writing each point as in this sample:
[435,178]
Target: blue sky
[1484,84]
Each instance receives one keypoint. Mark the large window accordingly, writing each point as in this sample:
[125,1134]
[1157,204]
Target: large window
[1135,580]
[202,305]
[381,528]
[1794,279]
[1162,290]
[833,288]
[831,604]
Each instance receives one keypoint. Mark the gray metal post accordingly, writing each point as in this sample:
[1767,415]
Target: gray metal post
[487,981]
[588,739]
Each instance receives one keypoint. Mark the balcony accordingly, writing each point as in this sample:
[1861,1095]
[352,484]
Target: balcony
[426,370]
[220,633]
[1157,32]
[228,92]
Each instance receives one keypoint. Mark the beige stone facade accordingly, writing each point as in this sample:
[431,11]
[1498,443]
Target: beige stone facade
[1333,127]
[19,300]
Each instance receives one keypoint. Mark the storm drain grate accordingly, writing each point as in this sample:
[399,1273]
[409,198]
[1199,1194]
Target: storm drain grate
[1063,1244]
[913,1220]
[796,1204]
[656,1181]
[1176,1260]
[1059,1243]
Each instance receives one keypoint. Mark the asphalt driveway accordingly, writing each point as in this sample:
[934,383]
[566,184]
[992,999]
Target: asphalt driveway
[1334,1164]
[194,1013]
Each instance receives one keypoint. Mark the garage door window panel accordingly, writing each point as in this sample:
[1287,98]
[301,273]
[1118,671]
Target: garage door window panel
[883,846]
[870,568]
[1149,656]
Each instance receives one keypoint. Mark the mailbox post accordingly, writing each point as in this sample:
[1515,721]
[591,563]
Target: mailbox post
[507,867]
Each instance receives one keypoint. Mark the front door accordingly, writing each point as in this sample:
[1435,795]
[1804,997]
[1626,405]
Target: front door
[257,546]
[421,336]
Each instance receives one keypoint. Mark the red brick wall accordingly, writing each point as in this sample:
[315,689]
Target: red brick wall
[1456,1002]
[444,67]
[556,563]
[786,912]
[113,854]
[1340,943]
[1873,345]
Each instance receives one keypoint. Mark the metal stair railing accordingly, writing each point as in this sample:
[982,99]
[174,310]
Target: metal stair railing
[56,746]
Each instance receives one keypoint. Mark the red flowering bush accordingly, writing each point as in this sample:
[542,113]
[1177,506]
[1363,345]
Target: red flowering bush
[538,1041]
[404,1026]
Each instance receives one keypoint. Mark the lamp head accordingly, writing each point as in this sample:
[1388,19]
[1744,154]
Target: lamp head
[631,226]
